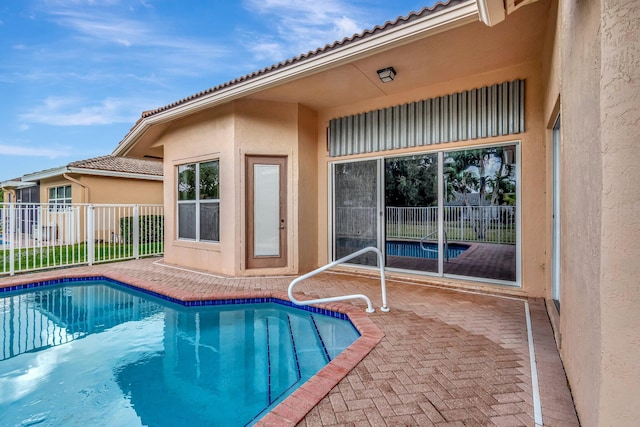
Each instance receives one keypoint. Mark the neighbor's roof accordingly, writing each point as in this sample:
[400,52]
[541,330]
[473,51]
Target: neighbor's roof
[15,183]
[122,167]
[120,164]
[401,20]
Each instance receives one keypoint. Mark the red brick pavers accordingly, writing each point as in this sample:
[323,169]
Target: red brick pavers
[440,357]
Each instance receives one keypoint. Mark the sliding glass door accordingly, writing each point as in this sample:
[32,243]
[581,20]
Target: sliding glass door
[411,212]
[449,213]
[356,209]
[480,195]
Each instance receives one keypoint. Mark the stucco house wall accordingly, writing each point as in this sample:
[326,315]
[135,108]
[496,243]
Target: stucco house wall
[102,189]
[600,56]
[229,133]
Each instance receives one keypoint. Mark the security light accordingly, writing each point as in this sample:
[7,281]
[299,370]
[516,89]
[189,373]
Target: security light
[386,74]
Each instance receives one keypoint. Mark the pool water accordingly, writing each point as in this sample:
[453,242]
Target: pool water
[98,354]
[427,251]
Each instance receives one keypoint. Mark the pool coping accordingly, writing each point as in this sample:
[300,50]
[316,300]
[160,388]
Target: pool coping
[298,404]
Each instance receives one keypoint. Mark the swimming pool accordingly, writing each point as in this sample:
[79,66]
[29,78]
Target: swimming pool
[87,352]
[430,251]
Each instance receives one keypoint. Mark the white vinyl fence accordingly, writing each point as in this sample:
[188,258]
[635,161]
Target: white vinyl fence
[487,224]
[36,236]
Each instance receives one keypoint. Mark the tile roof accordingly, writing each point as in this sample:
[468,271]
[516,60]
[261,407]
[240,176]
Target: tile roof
[439,6]
[121,164]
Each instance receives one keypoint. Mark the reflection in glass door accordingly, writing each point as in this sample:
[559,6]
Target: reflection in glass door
[356,209]
[479,205]
[411,207]
[451,213]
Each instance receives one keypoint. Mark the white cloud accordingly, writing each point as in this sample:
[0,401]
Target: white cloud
[51,153]
[304,25]
[72,111]
[346,26]
[114,29]
[267,50]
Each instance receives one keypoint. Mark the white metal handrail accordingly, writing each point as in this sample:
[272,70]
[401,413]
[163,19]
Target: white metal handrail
[446,244]
[342,260]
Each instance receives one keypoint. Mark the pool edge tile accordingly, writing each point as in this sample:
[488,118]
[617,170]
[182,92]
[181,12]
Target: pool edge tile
[298,404]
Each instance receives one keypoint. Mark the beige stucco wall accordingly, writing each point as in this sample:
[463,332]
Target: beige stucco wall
[307,176]
[205,136]
[532,168]
[230,133]
[600,269]
[268,128]
[121,190]
[102,189]
[620,134]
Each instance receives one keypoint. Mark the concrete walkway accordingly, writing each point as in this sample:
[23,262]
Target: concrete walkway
[445,357]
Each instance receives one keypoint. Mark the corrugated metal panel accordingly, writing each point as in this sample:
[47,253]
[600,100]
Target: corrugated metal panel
[478,113]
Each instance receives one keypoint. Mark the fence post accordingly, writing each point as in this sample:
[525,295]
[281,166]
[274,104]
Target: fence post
[91,233]
[11,231]
[136,232]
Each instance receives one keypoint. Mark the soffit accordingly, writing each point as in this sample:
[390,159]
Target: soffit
[464,51]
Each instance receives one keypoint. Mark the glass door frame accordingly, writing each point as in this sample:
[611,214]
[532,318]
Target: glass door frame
[555,212]
[381,218]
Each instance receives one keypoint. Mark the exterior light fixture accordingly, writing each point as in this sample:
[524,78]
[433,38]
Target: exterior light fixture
[386,74]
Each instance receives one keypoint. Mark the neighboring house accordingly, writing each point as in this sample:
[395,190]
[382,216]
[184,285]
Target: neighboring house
[280,171]
[105,179]
[100,180]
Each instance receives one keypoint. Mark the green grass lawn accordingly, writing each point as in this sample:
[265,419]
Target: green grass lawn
[64,255]
[506,234]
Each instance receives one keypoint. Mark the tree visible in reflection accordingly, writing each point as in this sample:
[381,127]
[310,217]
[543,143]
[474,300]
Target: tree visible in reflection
[487,172]
[411,181]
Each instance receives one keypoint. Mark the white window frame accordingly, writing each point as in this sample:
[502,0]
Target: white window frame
[57,204]
[197,201]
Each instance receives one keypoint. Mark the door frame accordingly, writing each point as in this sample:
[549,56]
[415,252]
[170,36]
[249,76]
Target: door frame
[555,213]
[265,261]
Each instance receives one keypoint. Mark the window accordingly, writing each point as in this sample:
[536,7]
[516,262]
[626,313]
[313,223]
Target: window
[199,201]
[59,198]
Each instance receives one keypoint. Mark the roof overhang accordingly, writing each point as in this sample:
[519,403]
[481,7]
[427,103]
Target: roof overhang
[115,174]
[49,173]
[450,17]
[14,184]
[53,173]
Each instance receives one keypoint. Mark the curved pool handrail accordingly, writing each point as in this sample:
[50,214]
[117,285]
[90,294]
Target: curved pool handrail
[446,244]
[370,308]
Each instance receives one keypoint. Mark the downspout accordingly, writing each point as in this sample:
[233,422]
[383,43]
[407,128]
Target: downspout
[12,194]
[75,181]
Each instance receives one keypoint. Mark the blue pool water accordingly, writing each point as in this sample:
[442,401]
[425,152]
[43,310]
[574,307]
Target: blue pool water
[94,353]
[413,249]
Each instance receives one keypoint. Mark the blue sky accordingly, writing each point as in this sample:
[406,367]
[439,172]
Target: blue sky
[75,75]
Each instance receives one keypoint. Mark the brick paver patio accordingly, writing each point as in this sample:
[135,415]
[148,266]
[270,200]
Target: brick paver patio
[447,357]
